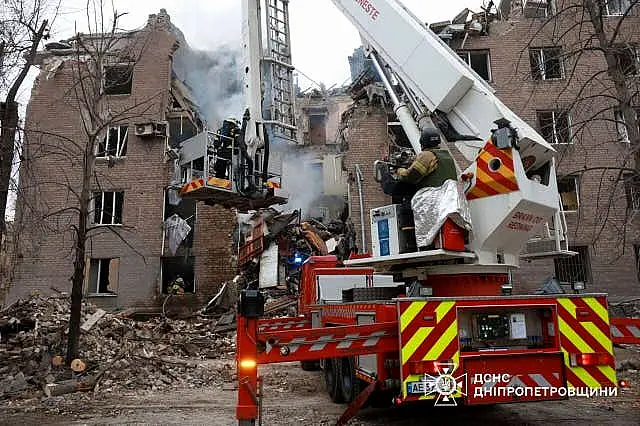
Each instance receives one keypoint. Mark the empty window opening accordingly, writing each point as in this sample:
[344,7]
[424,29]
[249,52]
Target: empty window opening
[317,129]
[539,8]
[569,195]
[118,79]
[546,63]
[632,191]
[180,129]
[103,276]
[107,207]
[621,125]
[178,267]
[186,209]
[627,57]
[479,61]
[114,143]
[574,269]
[555,126]
[617,7]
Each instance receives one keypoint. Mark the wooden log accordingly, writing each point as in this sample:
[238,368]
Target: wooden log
[69,386]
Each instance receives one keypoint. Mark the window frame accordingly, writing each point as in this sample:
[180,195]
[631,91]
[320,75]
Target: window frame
[99,261]
[549,9]
[607,12]
[576,183]
[120,142]
[542,60]
[129,82]
[468,53]
[556,133]
[634,49]
[631,188]
[618,118]
[113,206]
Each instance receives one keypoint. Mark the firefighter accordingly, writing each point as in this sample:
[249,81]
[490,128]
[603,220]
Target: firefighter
[432,167]
[177,286]
[227,133]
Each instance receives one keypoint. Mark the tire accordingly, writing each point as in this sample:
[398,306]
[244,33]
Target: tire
[331,379]
[349,384]
[246,423]
[310,365]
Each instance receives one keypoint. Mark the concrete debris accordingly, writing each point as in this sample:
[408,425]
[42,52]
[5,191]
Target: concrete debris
[289,242]
[116,352]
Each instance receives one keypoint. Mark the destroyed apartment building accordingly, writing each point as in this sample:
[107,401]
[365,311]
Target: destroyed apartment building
[523,62]
[130,259]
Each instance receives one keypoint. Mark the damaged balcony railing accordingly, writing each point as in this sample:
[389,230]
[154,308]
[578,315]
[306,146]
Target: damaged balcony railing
[214,169]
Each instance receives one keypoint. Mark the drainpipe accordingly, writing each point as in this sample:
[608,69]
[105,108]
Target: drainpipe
[362,228]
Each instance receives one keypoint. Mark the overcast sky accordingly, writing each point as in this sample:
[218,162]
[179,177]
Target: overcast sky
[322,38]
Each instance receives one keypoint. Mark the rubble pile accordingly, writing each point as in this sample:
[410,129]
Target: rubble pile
[116,352]
[629,309]
[274,245]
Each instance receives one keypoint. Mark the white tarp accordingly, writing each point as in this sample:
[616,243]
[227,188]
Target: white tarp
[433,206]
[177,230]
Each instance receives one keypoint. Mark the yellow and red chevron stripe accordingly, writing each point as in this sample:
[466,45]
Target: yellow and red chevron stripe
[199,183]
[584,328]
[428,332]
[494,181]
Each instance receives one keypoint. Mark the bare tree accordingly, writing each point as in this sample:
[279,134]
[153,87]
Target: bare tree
[591,59]
[23,26]
[99,64]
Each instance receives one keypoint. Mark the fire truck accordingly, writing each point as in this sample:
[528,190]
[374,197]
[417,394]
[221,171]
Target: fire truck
[439,324]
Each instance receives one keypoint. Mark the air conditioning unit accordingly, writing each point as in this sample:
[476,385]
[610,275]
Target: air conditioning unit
[152,129]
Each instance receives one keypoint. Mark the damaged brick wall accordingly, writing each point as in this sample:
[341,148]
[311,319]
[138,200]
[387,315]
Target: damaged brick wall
[367,140]
[602,223]
[45,253]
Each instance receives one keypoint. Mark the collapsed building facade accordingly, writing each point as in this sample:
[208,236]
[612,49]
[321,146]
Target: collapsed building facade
[129,260]
[331,177]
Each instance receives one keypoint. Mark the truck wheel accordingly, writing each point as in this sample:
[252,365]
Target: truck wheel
[246,423]
[349,383]
[331,379]
[310,365]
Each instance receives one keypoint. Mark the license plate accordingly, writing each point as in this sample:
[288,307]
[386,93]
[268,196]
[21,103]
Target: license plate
[423,387]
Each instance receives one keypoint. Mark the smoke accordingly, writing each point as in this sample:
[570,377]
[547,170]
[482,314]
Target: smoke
[215,80]
[302,179]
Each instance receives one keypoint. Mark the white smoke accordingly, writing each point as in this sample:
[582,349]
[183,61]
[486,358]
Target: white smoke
[301,181]
[215,79]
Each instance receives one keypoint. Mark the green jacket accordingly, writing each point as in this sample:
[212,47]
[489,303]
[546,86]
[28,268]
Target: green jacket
[425,172]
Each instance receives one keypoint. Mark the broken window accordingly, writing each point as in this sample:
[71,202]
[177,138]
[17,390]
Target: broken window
[621,127]
[316,175]
[632,191]
[186,209]
[180,129]
[479,61]
[118,79]
[539,8]
[103,276]
[555,126]
[569,194]
[107,208]
[114,143]
[178,267]
[617,7]
[317,129]
[546,63]
[627,57]
[576,268]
